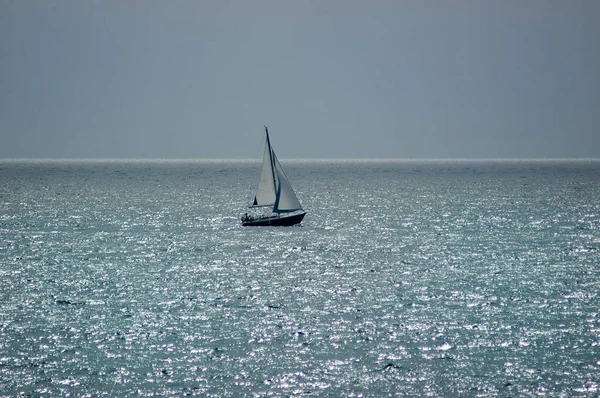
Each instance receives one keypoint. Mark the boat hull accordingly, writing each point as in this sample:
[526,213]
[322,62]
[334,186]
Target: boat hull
[275,221]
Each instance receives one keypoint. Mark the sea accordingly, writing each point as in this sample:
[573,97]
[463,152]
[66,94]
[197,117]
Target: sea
[416,278]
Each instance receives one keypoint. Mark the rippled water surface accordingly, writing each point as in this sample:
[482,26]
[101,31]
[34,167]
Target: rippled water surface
[415,278]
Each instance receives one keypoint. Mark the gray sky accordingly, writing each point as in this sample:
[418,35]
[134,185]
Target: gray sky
[347,78]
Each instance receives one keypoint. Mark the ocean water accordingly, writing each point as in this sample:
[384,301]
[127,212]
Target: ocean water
[406,278]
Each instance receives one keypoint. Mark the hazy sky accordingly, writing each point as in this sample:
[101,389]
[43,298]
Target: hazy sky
[347,78]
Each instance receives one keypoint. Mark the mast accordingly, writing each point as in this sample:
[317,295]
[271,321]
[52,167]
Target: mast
[272,165]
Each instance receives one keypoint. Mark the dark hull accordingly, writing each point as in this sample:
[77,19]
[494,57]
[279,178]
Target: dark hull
[275,221]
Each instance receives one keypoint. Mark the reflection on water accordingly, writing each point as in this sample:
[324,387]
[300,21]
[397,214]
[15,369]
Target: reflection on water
[410,278]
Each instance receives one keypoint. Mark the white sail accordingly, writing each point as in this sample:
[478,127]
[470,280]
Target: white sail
[265,194]
[274,189]
[286,200]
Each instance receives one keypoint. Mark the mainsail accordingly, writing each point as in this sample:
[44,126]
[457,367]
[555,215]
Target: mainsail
[274,189]
[265,193]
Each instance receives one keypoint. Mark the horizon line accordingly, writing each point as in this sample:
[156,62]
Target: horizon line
[209,159]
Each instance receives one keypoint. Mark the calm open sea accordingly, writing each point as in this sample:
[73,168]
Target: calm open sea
[409,278]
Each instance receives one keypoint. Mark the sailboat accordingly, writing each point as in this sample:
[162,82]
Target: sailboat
[274,191]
